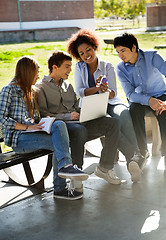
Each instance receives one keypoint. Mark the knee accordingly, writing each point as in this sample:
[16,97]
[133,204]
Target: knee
[125,118]
[114,123]
[59,125]
[80,132]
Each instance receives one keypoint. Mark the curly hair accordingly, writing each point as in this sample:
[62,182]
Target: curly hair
[80,37]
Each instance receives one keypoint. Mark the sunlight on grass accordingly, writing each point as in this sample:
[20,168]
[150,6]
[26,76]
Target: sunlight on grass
[10,53]
[9,56]
[47,48]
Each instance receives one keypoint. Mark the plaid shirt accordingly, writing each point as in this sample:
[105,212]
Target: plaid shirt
[12,110]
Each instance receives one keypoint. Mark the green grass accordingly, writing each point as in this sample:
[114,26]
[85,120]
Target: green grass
[8,56]
[10,53]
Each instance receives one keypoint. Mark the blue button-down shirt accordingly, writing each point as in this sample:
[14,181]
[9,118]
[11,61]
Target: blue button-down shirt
[144,79]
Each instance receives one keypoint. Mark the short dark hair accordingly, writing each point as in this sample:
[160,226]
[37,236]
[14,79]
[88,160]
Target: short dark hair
[57,58]
[82,36]
[126,40]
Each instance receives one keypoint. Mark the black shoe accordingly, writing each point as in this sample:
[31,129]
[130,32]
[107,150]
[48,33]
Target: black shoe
[68,194]
[73,173]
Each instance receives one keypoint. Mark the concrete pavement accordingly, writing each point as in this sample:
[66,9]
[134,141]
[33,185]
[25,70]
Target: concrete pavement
[107,212]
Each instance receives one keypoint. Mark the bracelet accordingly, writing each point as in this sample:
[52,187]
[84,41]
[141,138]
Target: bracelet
[26,127]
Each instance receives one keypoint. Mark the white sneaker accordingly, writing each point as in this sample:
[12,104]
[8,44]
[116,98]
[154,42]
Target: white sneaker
[108,176]
[134,171]
[76,185]
[146,154]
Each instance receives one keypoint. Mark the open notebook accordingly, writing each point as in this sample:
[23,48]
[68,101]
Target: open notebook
[47,123]
[93,106]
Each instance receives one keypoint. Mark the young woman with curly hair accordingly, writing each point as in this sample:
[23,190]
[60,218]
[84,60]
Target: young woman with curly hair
[89,71]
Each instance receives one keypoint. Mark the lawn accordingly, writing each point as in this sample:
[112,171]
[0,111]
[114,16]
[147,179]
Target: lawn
[10,53]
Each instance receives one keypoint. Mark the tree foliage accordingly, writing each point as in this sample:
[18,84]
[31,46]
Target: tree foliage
[122,8]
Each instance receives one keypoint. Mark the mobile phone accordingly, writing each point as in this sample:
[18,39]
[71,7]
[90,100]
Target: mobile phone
[104,80]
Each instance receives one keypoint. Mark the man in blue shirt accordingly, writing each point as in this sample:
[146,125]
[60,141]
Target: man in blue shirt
[141,76]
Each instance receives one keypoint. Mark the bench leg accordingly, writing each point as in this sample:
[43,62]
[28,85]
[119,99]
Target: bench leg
[156,137]
[106,49]
[28,172]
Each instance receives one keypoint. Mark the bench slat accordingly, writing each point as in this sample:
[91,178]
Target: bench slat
[11,158]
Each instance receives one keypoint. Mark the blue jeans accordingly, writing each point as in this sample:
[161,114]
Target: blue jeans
[127,141]
[57,141]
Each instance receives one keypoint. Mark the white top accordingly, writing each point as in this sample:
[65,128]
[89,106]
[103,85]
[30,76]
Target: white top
[103,68]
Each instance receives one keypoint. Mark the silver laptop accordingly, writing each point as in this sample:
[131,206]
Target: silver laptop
[94,106]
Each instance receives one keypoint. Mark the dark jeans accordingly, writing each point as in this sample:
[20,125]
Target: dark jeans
[78,137]
[110,129]
[138,112]
[80,133]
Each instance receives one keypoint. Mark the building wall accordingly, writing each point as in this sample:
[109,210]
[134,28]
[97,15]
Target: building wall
[36,35]
[38,14]
[156,17]
[8,11]
[56,10]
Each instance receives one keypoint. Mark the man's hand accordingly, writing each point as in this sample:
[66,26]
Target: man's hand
[157,105]
[74,116]
[163,108]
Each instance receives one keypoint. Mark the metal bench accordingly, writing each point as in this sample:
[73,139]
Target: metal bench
[10,159]
[152,129]
[109,46]
[152,126]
